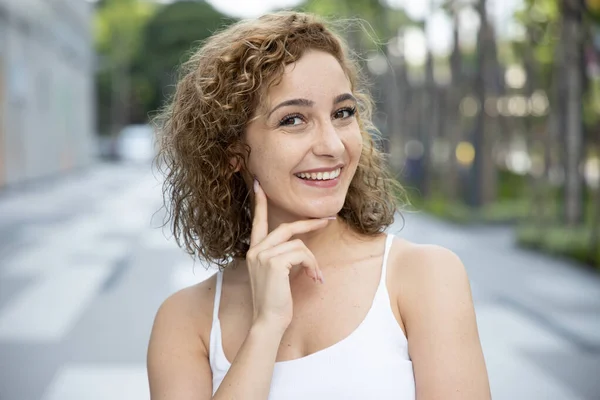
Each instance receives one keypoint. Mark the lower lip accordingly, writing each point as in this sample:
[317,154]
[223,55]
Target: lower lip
[321,184]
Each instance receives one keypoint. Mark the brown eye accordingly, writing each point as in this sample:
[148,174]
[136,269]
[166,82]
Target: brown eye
[291,120]
[345,113]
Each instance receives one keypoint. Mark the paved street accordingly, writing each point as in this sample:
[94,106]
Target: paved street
[84,267]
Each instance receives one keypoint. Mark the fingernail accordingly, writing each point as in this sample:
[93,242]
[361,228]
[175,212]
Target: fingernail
[321,277]
[330,218]
[255,185]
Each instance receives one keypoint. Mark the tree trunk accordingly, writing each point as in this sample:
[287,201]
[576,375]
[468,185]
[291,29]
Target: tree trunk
[595,218]
[481,174]
[396,117]
[494,87]
[427,127]
[2,123]
[454,129]
[538,205]
[572,41]
[595,133]
[120,88]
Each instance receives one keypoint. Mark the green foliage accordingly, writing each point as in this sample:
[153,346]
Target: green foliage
[500,212]
[117,28]
[117,34]
[451,211]
[511,206]
[505,211]
[511,185]
[168,40]
[559,240]
[540,18]
[146,43]
[591,107]
[383,20]
[592,10]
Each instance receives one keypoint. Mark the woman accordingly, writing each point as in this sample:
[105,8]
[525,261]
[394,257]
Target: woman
[272,174]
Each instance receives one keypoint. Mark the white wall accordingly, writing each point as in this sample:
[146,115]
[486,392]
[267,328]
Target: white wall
[46,117]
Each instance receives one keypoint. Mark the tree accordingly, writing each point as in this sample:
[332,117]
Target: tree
[483,170]
[383,20]
[450,177]
[571,68]
[168,40]
[118,25]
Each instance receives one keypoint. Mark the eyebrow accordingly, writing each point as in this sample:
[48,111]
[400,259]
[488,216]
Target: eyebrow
[343,97]
[309,103]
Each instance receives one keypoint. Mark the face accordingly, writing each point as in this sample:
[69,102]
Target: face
[306,145]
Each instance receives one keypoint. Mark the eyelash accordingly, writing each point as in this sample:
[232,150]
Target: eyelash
[351,111]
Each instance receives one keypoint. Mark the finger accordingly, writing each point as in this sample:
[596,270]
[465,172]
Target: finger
[260,225]
[289,247]
[285,232]
[285,247]
[299,257]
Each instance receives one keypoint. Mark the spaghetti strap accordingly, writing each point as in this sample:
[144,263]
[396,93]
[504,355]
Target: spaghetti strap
[218,296]
[386,253]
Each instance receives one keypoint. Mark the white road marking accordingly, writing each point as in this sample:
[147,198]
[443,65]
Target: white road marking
[99,382]
[49,307]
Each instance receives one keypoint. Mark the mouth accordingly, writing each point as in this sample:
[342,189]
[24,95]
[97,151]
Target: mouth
[320,176]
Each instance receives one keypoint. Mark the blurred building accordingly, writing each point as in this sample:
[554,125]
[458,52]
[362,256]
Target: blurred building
[46,88]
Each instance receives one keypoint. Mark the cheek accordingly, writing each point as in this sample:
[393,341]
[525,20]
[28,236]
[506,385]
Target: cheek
[268,160]
[354,144]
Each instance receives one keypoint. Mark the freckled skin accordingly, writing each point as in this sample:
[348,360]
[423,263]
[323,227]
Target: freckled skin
[313,137]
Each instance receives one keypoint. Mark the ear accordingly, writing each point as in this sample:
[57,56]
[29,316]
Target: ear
[238,152]
[236,164]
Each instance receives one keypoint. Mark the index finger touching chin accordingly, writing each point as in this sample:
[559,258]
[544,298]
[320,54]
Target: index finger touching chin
[260,227]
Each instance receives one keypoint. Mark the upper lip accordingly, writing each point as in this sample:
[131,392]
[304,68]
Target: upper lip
[323,169]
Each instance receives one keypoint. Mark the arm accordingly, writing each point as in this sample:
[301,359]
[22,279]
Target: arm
[442,332]
[250,374]
[178,363]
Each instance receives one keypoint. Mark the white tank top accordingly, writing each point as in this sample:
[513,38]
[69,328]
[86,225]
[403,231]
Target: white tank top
[371,363]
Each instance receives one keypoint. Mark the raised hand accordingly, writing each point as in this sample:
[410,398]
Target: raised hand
[271,257]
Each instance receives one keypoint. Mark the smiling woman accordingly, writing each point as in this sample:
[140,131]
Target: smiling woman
[272,174]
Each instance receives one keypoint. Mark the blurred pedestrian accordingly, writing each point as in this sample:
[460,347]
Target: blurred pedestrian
[272,175]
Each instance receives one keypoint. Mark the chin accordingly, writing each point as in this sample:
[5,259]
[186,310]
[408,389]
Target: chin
[322,210]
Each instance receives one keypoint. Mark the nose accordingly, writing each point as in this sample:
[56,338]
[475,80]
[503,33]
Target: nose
[328,141]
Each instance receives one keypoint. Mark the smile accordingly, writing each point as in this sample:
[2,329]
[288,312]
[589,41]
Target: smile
[320,176]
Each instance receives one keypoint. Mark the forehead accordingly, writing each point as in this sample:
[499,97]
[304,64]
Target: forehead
[316,76]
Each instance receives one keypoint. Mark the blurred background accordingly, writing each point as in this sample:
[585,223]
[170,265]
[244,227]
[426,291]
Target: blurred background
[489,109]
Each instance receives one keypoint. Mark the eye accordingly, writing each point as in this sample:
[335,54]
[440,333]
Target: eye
[291,120]
[344,113]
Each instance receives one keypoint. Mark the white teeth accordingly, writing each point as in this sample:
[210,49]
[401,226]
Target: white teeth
[321,176]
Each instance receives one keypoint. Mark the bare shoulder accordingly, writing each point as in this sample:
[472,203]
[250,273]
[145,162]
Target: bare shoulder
[426,267]
[431,282]
[193,303]
[177,359]
[434,298]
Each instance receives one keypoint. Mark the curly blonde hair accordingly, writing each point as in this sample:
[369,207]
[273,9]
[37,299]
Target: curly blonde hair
[201,129]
